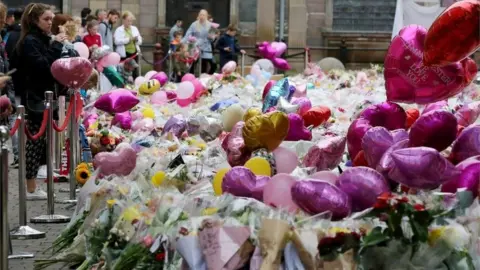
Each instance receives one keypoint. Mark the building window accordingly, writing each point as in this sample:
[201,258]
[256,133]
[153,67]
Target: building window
[363,15]
[247,17]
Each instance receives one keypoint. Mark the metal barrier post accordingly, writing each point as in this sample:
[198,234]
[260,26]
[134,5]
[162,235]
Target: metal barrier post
[6,244]
[23,231]
[73,126]
[50,217]
[59,135]
[242,65]
[170,65]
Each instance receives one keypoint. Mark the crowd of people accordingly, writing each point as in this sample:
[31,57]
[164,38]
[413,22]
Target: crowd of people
[35,36]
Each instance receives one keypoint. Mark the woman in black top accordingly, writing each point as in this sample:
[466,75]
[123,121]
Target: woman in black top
[36,51]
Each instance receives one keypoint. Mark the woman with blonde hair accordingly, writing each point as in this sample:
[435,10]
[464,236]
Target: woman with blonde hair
[127,39]
[200,29]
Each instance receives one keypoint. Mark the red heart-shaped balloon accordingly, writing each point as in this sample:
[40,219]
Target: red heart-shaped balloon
[408,80]
[72,72]
[454,34]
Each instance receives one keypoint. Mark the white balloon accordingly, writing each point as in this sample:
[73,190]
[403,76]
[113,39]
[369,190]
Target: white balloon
[264,65]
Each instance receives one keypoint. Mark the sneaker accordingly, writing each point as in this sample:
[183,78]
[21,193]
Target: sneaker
[14,163]
[37,195]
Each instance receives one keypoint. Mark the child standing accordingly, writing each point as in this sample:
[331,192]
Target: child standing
[182,61]
[228,46]
[176,41]
[92,39]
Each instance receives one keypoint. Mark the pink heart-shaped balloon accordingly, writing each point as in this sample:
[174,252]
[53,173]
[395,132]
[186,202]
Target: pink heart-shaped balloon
[304,104]
[297,130]
[72,72]
[239,181]
[279,47]
[326,154]
[124,120]
[120,162]
[234,146]
[468,114]
[315,197]
[301,91]
[408,80]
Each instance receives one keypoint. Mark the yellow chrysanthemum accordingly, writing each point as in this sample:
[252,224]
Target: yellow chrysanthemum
[335,230]
[209,211]
[110,203]
[131,213]
[158,178]
[202,146]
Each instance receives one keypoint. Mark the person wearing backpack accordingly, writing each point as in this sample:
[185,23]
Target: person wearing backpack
[105,28]
[13,33]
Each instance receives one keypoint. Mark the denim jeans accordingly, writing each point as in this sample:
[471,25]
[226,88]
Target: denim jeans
[12,119]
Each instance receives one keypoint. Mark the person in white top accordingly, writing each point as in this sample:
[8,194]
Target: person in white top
[127,39]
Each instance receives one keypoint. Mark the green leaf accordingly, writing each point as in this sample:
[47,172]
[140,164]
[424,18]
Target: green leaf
[375,237]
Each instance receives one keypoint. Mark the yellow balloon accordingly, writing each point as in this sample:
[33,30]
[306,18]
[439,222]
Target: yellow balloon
[259,166]
[265,131]
[251,112]
[148,113]
[217,181]
[157,179]
[149,87]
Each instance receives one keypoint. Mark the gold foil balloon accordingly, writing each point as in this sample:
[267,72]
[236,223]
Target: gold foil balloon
[266,131]
[251,112]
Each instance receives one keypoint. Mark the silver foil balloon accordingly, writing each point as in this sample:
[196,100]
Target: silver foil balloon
[284,106]
[210,128]
[176,125]
[193,125]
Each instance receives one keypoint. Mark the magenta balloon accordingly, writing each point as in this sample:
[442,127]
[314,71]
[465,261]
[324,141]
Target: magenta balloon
[467,144]
[72,72]
[468,114]
[355,134]
[436,129]
[439,105]
[468,179]
[386,114]
[123,120]
[122,161]
[399,135]
[239,181]
[281,63]
[315,197]
[171,95]
[188,77]
[304,104]
[375,143]
[117,101]
[467,162]
[326,176]
[234,146]
[89,120]
[326,154]
[277,192]
[408,80]
[421,167]
[161,77]
[363,185]
[386,162]
[296,129]
[257,192]
[176,124]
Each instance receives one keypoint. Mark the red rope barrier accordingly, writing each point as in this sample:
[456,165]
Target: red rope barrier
[67,117]
[43,127]
[15,127]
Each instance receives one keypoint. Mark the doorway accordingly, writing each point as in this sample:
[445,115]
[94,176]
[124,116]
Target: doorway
[188,10]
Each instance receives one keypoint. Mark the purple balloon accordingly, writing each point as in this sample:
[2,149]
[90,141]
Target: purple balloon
[363,185]
[304,104]
[161,77]
[176,124]
[296,129]
[239,181]
[257,192]
[439,105]
[326,154]
[117,101]
[314,197]
[376,142]
[386,163]
[467,144]
[355,134]
[292,90]
[421,167]
[436,129]
[468,178]
[386,114]
[123,120]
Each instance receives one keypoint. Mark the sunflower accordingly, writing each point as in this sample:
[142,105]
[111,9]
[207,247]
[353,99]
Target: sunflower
[82,165]
[82,175]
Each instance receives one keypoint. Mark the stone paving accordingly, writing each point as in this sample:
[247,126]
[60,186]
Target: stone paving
[34,209]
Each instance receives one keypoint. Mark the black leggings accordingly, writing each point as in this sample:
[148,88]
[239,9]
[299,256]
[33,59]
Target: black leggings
[36,151]
[208,66]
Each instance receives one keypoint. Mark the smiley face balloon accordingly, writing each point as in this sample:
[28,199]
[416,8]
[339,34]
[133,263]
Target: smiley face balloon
[149,87]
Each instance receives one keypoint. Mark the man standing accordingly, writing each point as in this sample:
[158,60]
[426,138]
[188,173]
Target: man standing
[13,32]
[84,14]
[9,21]
[101,15]
[105,29]
[176,28]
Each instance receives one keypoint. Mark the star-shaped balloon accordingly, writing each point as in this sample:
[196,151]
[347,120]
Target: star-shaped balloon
[285,106]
